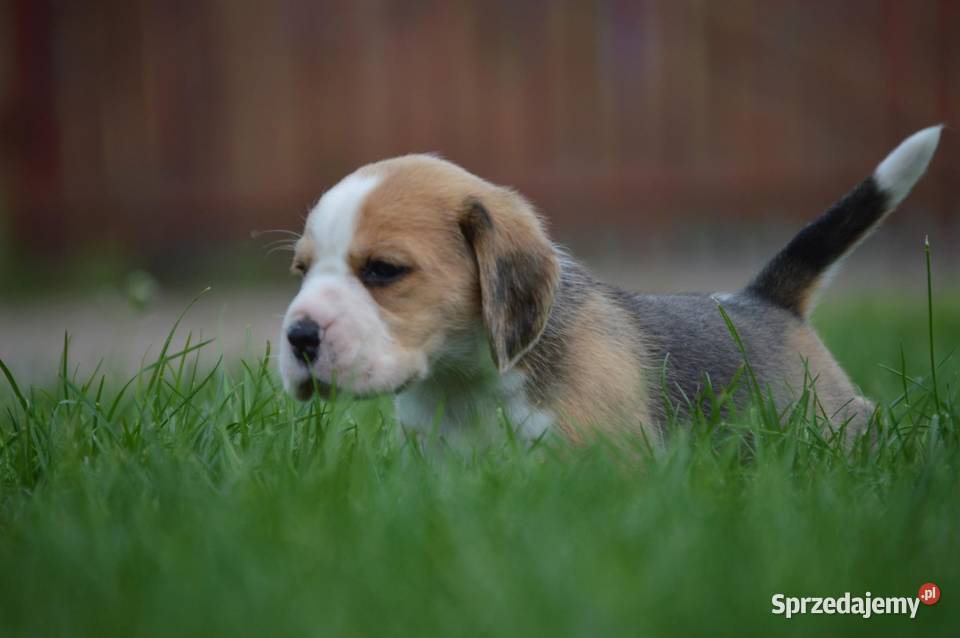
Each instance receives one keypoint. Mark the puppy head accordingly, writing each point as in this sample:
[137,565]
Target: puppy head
[400,261]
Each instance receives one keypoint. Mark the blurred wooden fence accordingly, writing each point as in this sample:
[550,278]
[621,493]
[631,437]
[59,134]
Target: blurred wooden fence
[149,121]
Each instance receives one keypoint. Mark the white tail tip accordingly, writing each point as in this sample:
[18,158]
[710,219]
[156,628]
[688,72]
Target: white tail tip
[897,174]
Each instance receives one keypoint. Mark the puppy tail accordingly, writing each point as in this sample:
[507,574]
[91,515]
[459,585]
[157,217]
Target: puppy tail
[791,279]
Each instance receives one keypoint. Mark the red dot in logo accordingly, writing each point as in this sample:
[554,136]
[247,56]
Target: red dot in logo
[929,594]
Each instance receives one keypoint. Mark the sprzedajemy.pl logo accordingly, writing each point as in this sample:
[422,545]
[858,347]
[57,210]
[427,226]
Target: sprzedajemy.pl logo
[865,605]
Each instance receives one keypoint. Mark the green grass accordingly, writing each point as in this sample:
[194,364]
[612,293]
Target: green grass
[204,502]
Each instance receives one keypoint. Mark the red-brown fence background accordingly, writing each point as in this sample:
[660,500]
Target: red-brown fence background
[150,121]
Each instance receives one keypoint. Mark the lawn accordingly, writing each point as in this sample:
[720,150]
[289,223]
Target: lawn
[202,502]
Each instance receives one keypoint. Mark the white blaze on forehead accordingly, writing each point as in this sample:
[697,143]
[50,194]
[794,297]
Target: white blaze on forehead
[333,221]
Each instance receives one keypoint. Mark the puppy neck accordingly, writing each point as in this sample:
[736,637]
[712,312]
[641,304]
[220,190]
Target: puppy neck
[464,391]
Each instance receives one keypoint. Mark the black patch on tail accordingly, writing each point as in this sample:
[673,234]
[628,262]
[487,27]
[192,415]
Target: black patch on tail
[791,276]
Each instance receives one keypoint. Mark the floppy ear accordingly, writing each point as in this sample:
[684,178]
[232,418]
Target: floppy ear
[518,271]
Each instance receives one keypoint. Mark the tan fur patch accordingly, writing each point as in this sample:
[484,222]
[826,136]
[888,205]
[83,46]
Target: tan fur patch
[409,219]
[605,389]
[835,393]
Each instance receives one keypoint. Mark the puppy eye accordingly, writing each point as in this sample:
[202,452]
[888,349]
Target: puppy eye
[299,268]
[381,273]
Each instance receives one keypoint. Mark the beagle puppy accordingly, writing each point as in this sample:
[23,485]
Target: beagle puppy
[424,281]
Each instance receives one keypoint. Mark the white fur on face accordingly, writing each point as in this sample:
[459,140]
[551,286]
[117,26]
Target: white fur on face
[356,350]
[333,222]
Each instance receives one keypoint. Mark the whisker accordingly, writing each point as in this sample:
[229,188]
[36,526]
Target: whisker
[280,242]
[254,234]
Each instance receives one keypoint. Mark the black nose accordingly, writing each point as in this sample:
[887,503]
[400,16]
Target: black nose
[304,337]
